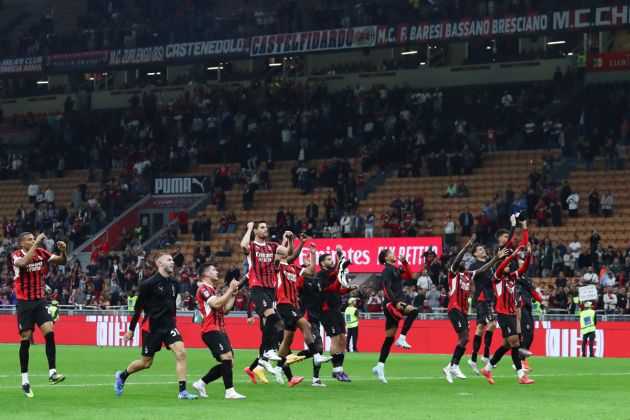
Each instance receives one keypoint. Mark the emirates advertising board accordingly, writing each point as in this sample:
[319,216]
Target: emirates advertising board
[552,338]
[363,252]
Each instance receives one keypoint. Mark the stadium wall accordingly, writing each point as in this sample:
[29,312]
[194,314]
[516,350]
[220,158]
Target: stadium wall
[556,339]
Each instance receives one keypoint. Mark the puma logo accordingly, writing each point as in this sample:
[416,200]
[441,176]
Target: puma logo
[201,184]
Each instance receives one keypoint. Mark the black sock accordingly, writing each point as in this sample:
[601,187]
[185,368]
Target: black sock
[226,371]
[254,364]
[516,358]
[279,337]
[385,348]
[51,350]
[124,375]
[343,357]
[312,349]
[476,347]
[498,355]
[337,360]
[282,361]
[316,369]
[182,386]
[411,316]
[24,346]
[487,341]
[287,372]
[457,354]
[213,374]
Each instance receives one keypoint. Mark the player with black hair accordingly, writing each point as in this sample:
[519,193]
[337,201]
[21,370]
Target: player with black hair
[394,307]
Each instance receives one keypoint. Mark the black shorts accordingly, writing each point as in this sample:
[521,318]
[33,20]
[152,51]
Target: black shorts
[485,312]
[264,298]
[218,342]
[527,322]
[333,323]
[507,324]
[31,312]
[458,319]
[315,326]
[152,340]
[290,316]
[390,322]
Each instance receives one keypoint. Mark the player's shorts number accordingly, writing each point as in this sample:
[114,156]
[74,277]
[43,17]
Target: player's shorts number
[175,332]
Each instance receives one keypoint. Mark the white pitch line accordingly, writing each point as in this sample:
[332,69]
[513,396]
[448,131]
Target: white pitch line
[399,378]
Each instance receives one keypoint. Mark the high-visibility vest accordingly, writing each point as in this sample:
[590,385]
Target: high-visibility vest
[131,302]
[352,320]
[581,60]
[576,300]
[587,321]
[54,313]
[469,305]
[536,310]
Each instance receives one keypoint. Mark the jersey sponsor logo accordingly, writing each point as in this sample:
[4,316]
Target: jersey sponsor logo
[264,257]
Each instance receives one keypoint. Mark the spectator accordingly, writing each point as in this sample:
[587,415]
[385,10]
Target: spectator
[593,202]
[451,191]
[369,224]
[466,222]
[32,191]
[312,212]
[590,277]
[573,202]
[607,204]
[433,297]
[346,225]
[462,189]
[227,249]
[182,221]
[610,301]
[232,274]
[426,307]
[374,303]
[49,195]
[449,231]
[424,280]
[607,277]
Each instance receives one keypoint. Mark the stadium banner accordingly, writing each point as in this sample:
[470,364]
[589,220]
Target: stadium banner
[204,49]
[527,24]
[76,61]
[363,252]
[605,62]
[19,65]
[132,56]
[313,41]
[552,338]
[181,185]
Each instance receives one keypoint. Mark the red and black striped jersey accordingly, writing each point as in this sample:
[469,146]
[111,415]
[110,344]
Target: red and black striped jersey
[213,318]
[261,264]
[28,281]
[290,280]
[459,289]
[505,285]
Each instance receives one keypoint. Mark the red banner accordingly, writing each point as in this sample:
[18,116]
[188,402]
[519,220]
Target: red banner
[559,339]
[364,252]
[612,61]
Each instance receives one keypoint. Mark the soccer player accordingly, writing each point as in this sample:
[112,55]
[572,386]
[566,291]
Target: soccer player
[525,292]
[332,319]
[504,283]
[394,307]
[459,290]
[311,298]
[290,281]
[157,297]
[214,306]
[262,288]
[484,292]
[29,264]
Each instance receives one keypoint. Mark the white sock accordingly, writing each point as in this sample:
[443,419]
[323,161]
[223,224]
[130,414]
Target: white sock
[402,337]
[454,366]
[380,365]
[489,367]
[230,390]
[24,378]
[520,373]
[51,372]
[337,369]
[315,379]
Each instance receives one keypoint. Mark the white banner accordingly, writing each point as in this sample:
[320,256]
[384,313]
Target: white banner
[588,293]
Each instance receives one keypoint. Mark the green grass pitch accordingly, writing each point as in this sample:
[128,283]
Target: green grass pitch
[564,388]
